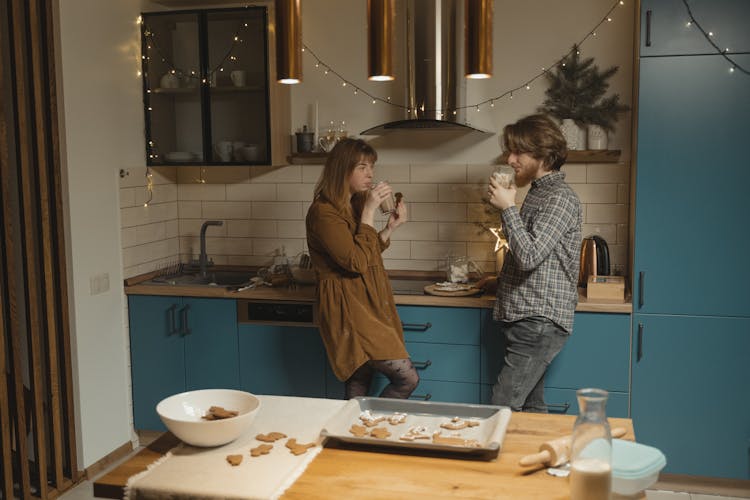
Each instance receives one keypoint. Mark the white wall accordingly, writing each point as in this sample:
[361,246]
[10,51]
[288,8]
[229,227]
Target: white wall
[102,128]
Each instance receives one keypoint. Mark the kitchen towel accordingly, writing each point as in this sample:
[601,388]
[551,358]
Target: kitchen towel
[187,472]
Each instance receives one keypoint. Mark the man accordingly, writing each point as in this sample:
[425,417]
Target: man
[537,286]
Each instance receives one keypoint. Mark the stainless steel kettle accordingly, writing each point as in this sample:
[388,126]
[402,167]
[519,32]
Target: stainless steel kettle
[594,259]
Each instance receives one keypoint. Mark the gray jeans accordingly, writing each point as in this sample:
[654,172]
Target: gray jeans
[530,346]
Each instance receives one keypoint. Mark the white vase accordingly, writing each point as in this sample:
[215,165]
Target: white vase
[574,135]
[597,137]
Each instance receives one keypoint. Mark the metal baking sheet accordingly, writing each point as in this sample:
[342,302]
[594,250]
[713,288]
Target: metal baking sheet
[493,423]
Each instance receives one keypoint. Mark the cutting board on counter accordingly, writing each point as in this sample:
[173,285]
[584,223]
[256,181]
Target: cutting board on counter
[466,291]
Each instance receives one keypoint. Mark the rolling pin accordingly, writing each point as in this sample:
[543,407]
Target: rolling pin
[557,452]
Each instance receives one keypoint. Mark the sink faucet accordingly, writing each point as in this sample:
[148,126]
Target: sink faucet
[203,258]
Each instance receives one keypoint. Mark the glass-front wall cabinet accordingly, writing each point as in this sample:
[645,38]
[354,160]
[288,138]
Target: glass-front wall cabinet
[206,93]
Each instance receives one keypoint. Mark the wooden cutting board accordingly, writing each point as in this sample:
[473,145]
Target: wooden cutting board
[435,290]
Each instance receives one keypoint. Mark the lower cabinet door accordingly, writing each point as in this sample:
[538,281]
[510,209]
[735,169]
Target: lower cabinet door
[282,360]
[211,357]
[445,362]
[157,356]
[690,395]
[564,402]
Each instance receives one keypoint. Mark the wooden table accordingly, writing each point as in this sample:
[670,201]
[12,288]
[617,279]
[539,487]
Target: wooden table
[346,473]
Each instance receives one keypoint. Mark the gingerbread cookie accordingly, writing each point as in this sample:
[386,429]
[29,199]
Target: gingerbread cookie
[218,413]
[438,438]
[263,449]
[397,418]
[298,448]
[457,423]
[369,419]
[270,437]
[358,430]
[416,432]
[234,460]
[380,433]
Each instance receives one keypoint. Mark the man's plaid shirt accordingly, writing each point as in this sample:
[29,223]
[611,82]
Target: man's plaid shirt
[540,273]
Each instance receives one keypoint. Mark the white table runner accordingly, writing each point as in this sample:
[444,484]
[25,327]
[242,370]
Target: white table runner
[186,472]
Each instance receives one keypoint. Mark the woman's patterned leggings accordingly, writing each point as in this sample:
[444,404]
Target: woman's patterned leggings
[400,372]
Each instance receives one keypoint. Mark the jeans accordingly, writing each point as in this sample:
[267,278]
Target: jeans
[530,346]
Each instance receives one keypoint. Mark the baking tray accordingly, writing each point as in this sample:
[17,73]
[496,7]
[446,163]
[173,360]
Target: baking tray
[489,434]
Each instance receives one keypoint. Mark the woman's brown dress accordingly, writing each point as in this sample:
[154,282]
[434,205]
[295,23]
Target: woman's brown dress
[358,317]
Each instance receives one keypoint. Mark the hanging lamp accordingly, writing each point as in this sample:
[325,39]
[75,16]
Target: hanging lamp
[288,41]
[478,38]
[380,18]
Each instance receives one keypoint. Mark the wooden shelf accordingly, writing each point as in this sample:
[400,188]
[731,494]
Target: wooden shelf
[585,156]
[307,158]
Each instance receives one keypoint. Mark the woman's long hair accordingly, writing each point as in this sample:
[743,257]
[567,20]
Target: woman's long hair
[333,184]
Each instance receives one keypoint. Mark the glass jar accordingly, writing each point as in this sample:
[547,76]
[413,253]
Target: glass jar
[591,448]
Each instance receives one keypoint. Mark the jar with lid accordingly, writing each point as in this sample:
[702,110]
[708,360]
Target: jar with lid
[591,448]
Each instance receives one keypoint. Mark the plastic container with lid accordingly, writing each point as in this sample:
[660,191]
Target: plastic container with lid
[635,466]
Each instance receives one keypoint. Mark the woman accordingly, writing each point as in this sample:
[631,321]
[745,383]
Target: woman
[359,323]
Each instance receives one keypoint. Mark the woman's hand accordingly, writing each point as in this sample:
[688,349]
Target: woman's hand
[501,197]
[376,195]
[399,216]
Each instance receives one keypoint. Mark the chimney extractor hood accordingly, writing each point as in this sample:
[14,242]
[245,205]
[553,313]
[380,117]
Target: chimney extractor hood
[434,82]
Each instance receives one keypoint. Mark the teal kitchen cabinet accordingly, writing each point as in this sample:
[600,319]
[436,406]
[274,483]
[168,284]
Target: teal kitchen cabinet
[597,354]
[691,241]
[443,344]
[282,360]
[665,29]
[179,344]
[689,392]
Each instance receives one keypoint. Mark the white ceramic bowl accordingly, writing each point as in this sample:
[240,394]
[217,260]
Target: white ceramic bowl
[182,414]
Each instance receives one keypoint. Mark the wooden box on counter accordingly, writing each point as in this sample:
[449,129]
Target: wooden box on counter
[606,288]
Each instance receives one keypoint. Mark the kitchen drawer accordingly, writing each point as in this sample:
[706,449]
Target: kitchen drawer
[450,325]
[563,401]
[433,390]
[446,362]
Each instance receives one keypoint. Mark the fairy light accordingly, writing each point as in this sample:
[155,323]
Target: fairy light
[709,36]
[149,186]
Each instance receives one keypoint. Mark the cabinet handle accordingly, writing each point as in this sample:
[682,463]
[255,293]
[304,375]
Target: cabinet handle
[172,327]
[559,407]
[641,280]
[421,365]
[416,327]
[184,328]
[639,347]
[425,397]
[648,28]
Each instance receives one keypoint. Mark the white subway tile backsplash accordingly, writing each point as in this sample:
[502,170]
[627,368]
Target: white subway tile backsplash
[226,210]
[417,192]
[596,193]
[263,209]
[438,173]
[413,230]
[277,210]
[203,192]
[251,192]
[438,212]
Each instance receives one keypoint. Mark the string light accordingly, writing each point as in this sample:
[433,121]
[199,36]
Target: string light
[149,186]
[708,36]
[508,93]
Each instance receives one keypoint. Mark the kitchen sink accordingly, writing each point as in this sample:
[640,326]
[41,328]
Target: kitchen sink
[213,278]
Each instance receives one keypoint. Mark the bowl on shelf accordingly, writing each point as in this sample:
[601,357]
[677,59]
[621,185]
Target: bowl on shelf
[179,156]
[183,415]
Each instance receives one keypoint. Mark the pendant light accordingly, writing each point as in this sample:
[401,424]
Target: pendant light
[478,38]
[380,15]
[288,41]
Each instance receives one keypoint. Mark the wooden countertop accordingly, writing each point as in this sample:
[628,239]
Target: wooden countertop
[306,293]
[345,473]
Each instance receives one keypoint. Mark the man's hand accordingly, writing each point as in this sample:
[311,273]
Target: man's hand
[501,197]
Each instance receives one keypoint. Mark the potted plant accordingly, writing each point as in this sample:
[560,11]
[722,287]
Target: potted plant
[576,97]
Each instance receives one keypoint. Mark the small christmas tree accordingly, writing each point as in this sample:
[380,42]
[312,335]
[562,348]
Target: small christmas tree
[576,91]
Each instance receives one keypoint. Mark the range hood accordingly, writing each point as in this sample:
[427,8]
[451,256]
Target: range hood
[434,58]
